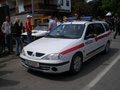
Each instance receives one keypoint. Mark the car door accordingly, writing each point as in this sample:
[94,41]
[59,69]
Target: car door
[101,35]
[90,41]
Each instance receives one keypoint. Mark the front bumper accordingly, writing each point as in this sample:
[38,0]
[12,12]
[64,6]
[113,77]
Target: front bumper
[46,67]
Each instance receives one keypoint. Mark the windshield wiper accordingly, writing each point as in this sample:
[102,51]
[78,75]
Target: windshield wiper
[58,36]
[63,36]
[50,36]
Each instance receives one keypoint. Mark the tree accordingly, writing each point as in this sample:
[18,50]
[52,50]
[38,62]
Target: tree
[81,8]
[96,7]
[111,5]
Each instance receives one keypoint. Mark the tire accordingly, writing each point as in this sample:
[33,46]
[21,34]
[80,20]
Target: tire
[107,48]
[76,64]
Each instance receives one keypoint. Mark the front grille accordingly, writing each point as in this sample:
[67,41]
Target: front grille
[29,53]
[39,54]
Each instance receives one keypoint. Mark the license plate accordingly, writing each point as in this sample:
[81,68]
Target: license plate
[33,64]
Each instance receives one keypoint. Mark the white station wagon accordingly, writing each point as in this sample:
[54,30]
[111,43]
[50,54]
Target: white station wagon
[67,47]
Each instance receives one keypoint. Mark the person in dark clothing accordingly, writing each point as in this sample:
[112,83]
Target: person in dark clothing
[2,42]
[17,35]
[110,22]
[117,27]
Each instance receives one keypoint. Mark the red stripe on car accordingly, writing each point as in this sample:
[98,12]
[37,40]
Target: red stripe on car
[105,35]
[72,49]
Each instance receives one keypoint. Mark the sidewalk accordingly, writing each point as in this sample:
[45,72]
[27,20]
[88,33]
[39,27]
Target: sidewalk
[7,57]
[116,42]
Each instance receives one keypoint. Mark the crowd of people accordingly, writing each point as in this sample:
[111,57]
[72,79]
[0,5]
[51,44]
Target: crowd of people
[14,30]
[11,30]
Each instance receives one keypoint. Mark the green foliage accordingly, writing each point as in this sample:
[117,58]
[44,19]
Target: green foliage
[96,7]
[82,8]
[111,5]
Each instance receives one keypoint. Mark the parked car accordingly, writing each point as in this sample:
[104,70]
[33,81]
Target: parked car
[67,47]
[38,32]
[2,43]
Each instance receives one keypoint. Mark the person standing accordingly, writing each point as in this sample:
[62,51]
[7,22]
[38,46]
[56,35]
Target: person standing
[52,24]
[64,19]
[18,31]
[76,15]
[29,29]
[57,21]
[6,29]
[117,27]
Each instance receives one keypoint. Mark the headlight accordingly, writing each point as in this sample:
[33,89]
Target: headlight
[55,56]
[23,52]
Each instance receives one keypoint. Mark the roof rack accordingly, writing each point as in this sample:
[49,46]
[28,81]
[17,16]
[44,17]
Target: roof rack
[83,18]
[71,19]
[86,18]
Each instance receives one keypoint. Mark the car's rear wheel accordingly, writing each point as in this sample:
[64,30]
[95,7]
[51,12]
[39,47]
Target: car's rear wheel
[76,64]
[107,47]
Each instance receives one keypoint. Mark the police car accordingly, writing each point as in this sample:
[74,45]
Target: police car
[38,32]
[67,47]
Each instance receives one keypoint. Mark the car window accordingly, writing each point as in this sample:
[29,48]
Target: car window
[106,26]
[90,30]
[99,28]
[41,27]
[73,31]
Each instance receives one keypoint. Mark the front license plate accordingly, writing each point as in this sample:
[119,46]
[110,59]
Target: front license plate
[33,64]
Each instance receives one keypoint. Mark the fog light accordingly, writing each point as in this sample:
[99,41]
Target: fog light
[54,69]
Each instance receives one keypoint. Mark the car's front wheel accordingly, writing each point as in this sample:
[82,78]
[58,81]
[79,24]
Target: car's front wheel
[76,64]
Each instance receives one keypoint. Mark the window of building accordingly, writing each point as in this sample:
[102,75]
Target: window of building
[67,2]
[46,1]
[62,2]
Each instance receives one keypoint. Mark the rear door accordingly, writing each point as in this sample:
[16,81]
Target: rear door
[101,35]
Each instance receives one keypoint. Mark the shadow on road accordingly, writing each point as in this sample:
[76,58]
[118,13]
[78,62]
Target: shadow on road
[88,67]
[5,82]
[2,65]
[6,54]
[5,72]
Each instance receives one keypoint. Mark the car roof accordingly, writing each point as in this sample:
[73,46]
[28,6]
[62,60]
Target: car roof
[76,22]
[83,22]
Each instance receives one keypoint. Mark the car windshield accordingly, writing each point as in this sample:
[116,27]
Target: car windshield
[70,31]
[41,27]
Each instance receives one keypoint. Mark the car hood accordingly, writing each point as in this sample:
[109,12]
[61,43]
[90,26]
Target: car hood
[49,45]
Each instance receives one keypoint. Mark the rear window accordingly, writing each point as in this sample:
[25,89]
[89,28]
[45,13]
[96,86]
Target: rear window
[99,28]
[106,26]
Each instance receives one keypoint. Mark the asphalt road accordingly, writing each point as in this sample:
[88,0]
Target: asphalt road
[99,73]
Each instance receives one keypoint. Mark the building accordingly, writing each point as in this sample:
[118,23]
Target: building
[19,8]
